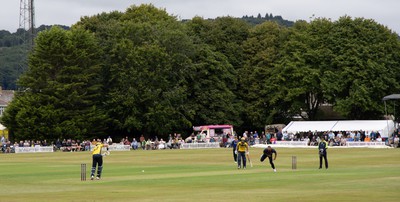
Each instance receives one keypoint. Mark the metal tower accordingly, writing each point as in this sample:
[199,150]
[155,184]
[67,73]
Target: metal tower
[27,21]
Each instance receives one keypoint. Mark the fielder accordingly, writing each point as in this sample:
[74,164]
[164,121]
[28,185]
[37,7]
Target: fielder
[97,159]
[233,145]
[322,147]
[268,153]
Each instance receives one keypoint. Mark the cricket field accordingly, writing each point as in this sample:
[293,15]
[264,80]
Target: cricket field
[354,174]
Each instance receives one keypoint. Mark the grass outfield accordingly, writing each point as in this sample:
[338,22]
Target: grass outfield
[203,175]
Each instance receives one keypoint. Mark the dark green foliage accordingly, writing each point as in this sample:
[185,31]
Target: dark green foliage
[144,71]
[62,94]
[159,78]
[259,90]
[364,68]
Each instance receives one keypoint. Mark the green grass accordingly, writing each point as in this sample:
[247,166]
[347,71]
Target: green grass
[203,175]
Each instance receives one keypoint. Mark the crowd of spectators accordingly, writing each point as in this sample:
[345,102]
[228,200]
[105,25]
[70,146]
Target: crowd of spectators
[334,138]
[339,138]
[224,139]
[174,142]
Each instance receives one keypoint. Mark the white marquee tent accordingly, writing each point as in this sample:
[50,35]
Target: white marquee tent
[384,127]
[2,127]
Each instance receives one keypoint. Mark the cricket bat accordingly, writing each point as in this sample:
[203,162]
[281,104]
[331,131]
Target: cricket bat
[248,157]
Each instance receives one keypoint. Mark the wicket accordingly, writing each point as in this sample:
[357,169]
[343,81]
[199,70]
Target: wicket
[83,172]
[294,162]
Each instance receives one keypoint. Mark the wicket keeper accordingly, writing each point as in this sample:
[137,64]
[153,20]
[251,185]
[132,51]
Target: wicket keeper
[242,149]
[268,153]
[97,159]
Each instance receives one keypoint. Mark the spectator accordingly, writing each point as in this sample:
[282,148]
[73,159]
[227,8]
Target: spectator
[358,136]
[58,144]
[189,139]
[142,142]
[148,144]
[273,140]
[69,145]
[134,144]
[143,145]
[126,141]
[26,143]
[331,135]
[350,138]
[268,137]
[74,146]
[343,141]
[396,141]
[279,136]
[285,135]
[339,135]
[203,137]
[82,146]
[262,138]
[373,135]
[255,135]
[161,144]
[156,143]
[87,145]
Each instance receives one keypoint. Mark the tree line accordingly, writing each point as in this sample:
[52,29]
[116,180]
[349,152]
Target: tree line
[13,54]
[143,71]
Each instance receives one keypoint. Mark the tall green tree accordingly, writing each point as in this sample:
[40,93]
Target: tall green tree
[62,89]
[147,63]
[257,77]
[366,59]
[219,55]
[306,54]
[225,34]
[210,95]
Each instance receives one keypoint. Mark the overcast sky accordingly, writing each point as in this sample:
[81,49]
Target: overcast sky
[68,12]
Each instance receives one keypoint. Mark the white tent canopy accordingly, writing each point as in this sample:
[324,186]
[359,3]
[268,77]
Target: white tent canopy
[305,126]
[384,127]
[2,127]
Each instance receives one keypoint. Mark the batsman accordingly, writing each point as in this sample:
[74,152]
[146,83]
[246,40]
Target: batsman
[268,153]
[97,159]
[242,149]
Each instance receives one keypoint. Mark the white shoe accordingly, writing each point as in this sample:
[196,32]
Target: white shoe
[274,170]
[97,178]
[91,177]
